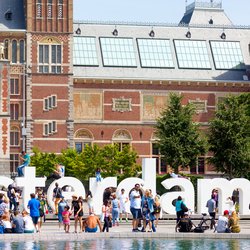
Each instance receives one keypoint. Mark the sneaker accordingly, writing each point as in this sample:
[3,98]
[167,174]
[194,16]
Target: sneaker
[135,230]
[126,219]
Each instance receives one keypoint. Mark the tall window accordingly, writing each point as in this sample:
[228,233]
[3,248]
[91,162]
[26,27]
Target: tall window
[14,86]
[14,51]
[60,8]
[14,162]
[14,137]
[49,9]
[22,51]
[50,58]
[39,8]
[6,49]
[14,111]
[161,166]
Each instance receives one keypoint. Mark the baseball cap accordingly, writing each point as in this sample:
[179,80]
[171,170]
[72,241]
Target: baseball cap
[226,212]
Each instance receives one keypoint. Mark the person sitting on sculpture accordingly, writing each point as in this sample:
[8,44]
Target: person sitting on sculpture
[26,161]
[57,172]
[98,175]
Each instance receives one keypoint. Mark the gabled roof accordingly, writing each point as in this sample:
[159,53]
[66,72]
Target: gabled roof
[12,15]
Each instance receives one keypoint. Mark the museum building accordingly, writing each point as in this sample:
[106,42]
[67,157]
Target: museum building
[72,84]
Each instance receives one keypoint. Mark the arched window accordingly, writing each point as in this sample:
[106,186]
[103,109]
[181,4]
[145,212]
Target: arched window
[14,51]
[14,136]
[82,138]
[121,138]
[22,51]
[6,49]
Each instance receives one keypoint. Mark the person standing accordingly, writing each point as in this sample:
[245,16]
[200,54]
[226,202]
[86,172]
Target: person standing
[98,175]
[123,199]
[178,208]
[66,218]
[62,204]
[57,195]
[157,209]
[115,210]
[42,209]
[90,202]
[135,207]
[211,205]
[34,206]
[106,211]
[26,161]
[77,207]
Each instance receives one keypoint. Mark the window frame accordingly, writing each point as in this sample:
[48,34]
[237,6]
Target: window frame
[50,59]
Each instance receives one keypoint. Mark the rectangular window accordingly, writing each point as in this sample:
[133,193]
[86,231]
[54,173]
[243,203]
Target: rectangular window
[14,138]
[60,8]
[53,101]
[22,51]
[14,86]
[78,147]
[54,128]
[50,58]
[14,162]
[39,8]
[14,111]
[46,129]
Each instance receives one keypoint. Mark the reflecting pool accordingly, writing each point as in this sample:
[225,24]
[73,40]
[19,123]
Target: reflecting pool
[128,244]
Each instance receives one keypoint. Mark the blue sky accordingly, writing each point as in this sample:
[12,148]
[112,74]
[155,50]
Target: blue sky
[166,11]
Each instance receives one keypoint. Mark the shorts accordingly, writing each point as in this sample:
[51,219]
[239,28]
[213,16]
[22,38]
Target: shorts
[66,222]
[136,212]
[35,219]
[90,230]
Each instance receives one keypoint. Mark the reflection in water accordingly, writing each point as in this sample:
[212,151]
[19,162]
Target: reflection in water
[129,244]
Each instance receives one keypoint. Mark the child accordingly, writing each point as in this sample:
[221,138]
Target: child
[98,175]
[66,218]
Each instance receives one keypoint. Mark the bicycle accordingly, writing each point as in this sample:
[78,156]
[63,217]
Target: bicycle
[206,223]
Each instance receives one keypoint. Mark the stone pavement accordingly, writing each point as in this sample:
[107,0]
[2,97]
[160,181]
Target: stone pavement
[165,229]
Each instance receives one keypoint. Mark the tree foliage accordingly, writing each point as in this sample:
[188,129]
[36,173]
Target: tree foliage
[109,159]
[229,136]
[179,139]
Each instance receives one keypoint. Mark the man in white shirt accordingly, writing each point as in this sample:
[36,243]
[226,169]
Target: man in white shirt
[135,206]
[123,205]
[222,226]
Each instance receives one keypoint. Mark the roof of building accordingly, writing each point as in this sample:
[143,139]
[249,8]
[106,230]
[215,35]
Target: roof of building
[12,15]
[192,50]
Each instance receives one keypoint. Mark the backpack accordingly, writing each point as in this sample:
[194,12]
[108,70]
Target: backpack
[184,207]
[198,230]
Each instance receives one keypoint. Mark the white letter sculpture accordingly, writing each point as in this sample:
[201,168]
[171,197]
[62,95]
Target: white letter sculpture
[29,182]
[187,194]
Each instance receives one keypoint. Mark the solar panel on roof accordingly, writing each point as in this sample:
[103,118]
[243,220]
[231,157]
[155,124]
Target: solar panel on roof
[155,53]
[118,52]
[227,55]
[192,54]
[84,52]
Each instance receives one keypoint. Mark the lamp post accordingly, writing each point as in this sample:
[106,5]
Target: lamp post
[23,124]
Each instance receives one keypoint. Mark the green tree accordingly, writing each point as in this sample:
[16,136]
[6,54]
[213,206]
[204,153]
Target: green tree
[109,159]
[179,139]
[44,162]
[229,136]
